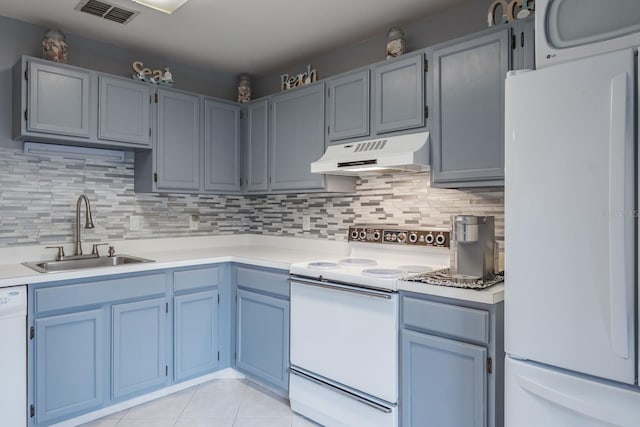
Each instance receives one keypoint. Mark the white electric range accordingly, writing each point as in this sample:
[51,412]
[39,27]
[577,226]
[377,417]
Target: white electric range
[344,325]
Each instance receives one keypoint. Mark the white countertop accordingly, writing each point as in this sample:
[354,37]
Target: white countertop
[258,250]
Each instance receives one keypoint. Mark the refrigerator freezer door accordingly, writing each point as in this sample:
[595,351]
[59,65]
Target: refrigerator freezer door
[569,228]
[538,396]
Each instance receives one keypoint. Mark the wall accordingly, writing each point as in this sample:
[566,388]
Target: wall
[37,204]
[467,18]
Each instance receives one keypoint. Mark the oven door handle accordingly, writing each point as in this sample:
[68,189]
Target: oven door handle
[345,393]
[345,288]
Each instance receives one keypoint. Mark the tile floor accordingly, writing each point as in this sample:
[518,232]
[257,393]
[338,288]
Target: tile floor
[218,403]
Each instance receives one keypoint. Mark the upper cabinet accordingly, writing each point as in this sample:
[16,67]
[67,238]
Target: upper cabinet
[297,137]
[57,100]
[64,104]
[221,146]
[284,135]
[399,93]
[348,105]
[467,100]
[523,45]
[124,110]
[256,146]
[178,141]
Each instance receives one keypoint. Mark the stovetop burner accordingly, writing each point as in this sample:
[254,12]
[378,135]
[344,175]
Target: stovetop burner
[414,269]
[321,265]
[387,273]
[358,262]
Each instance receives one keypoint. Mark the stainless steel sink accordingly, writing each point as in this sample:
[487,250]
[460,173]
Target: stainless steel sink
[78,264]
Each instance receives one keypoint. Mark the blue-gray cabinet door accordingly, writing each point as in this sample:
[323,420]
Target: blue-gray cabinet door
[468,109]
[262,338]
[296,137]
[69,364]
[444,382]
[138,347]
[348,105]
[58,100]
[257,137]
[178,141]
[124,111]
[195,334]
[221,146]
[399,94]
[523,45]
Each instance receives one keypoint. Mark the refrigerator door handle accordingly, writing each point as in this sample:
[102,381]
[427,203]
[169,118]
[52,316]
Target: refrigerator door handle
[618,309]
[584,407]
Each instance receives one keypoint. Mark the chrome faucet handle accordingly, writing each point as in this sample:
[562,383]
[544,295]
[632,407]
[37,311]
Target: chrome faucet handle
[112,251]
[60,251]
[94,248]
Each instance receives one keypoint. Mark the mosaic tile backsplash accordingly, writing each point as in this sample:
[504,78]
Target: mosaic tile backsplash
[38,196]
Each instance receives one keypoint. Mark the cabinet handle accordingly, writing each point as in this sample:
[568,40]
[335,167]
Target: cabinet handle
[522,39]
[513,41]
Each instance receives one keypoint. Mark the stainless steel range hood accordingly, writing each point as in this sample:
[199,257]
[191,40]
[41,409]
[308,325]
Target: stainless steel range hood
[403,153]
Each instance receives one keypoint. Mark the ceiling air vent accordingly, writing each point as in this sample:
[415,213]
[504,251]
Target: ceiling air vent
[107,11]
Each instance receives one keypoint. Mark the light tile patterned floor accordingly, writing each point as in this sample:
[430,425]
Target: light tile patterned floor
[218,403]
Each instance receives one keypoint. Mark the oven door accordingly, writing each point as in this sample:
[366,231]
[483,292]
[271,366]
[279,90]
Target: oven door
[346,334]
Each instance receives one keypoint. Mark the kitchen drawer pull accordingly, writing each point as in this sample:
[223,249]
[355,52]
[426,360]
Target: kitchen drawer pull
[345,393]
[343,288]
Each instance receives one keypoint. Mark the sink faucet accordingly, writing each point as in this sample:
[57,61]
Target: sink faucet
[88,222]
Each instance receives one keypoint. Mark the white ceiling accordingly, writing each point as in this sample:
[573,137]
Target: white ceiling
[232,35]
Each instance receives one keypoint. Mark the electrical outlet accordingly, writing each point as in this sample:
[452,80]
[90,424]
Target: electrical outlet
[134,223]
[306,222]
[194,221]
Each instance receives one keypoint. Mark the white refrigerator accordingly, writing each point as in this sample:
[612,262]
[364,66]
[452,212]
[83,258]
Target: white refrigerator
[570,244]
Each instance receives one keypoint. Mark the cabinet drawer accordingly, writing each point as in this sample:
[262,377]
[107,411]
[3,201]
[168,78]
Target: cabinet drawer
[193,279]
[263,281]
[98,292]
[461,322]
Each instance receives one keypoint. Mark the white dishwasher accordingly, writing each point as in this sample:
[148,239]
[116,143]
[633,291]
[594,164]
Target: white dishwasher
[13,355]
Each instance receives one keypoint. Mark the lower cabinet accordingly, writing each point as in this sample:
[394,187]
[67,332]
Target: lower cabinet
[100,341]
[444,383]
[69,364]
[452,363]
[138,331]
[196,334]
[262,325]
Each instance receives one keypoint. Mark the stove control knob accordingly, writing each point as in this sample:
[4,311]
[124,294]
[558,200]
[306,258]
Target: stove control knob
[354,234]
[363,235]
[429,238]
[440,239]
[413,237]
[402,237]
[376,236]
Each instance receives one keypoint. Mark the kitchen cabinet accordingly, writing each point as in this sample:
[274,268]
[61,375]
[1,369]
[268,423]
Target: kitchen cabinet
[399,93]
[69,369]
[523,44]
[196,334]
[458,370]
[124,110]
[59,103]
[222,149]
[262,325]
[284,135]
[257,143]
[452,367]
[297,137]
[348,105]
[139,353]
[96,342]
[468,88]
[178,143]
[57,100]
